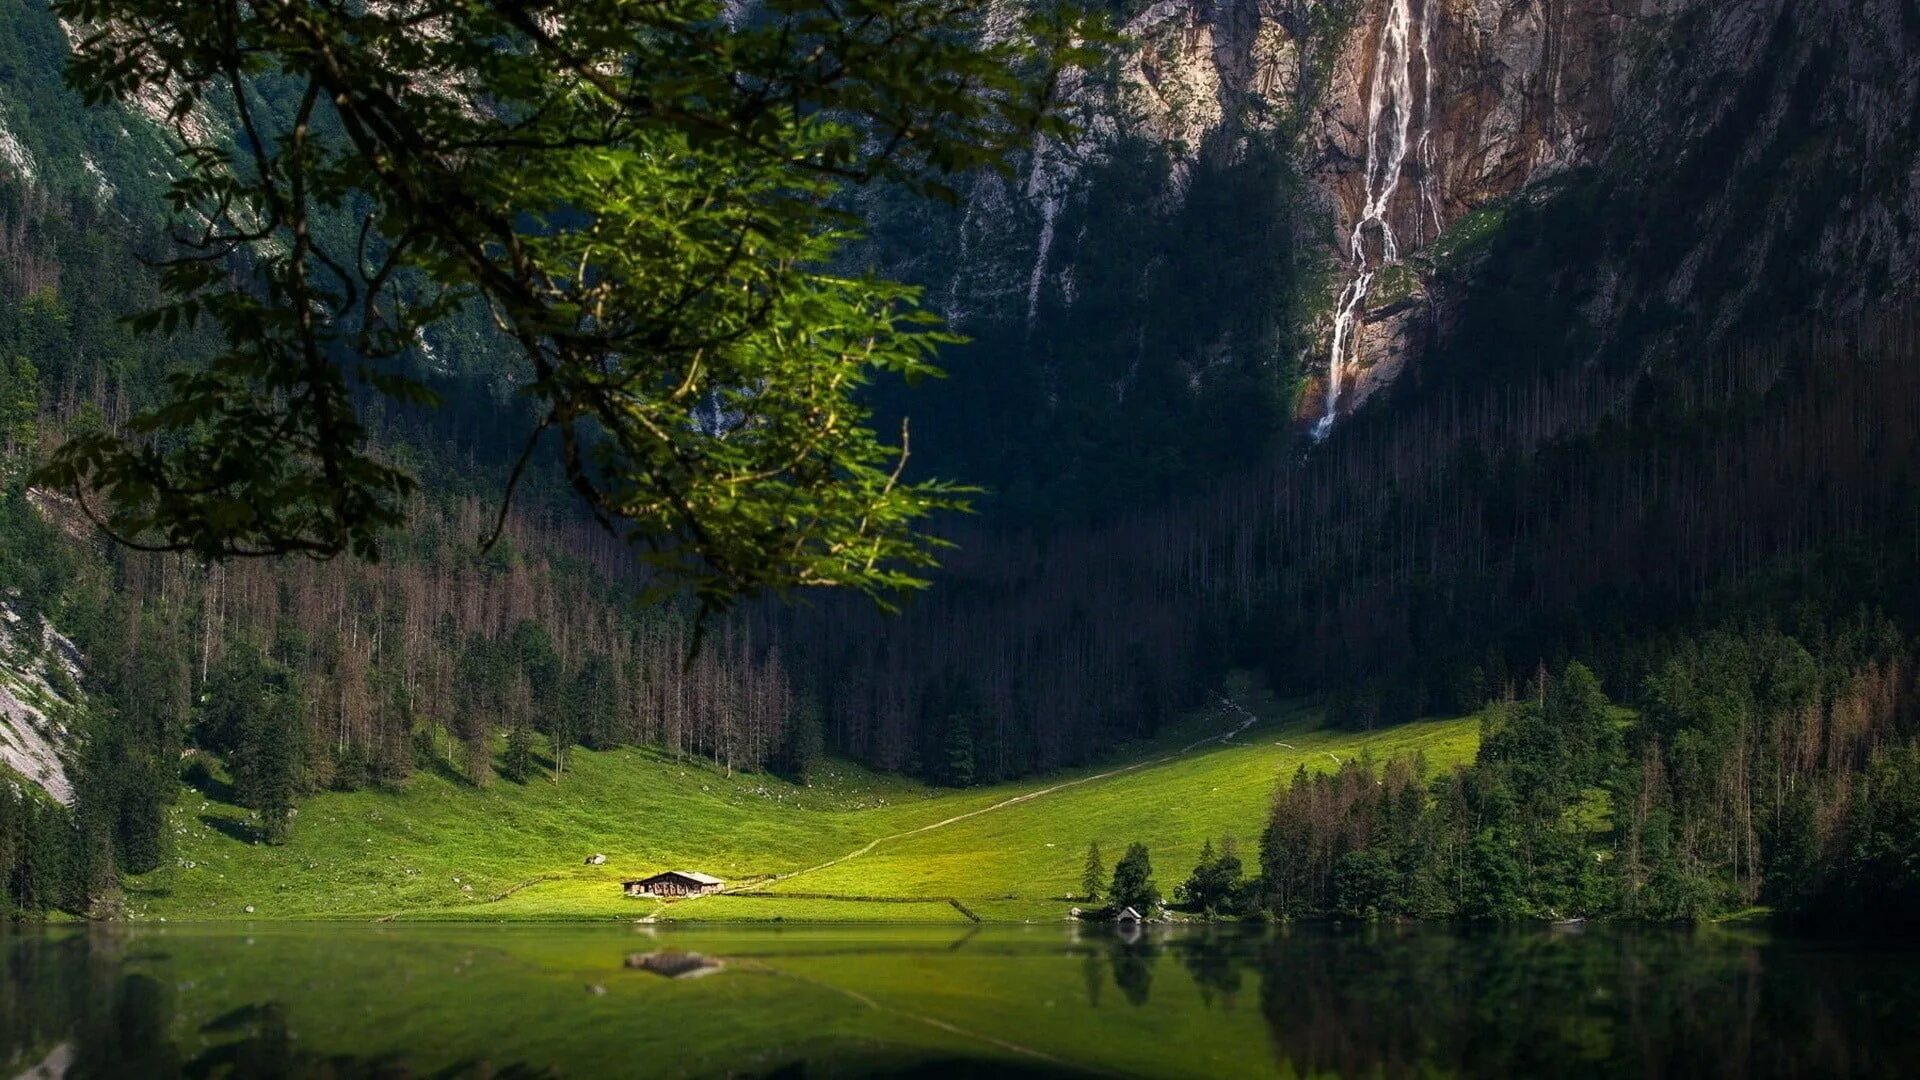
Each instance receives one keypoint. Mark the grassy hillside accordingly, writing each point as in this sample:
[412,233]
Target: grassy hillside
[855,846]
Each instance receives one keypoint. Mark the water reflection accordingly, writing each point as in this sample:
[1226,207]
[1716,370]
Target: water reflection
[525,1002]
[676,963]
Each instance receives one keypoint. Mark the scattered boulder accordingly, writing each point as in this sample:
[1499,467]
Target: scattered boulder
[248,909]
[596,860]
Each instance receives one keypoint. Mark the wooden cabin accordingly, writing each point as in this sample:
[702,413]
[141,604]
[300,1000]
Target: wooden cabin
[674,883]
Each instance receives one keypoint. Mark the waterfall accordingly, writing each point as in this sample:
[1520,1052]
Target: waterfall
[1427,171]
[1054,166]
[1049,212]
[1390,109]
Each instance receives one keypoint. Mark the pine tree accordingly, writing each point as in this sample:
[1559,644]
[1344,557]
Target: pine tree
[276,766]
[19,406]
[957,755]
[1215,883]
[1094,877]
[517,764]
[806,743]
[592,697]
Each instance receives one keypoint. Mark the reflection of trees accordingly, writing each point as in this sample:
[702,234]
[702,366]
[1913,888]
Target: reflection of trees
[70,987]
[254,1040]
[1094,976]
[1214,958]
[1410,1001]
[1132,961]
[1382,1001]
[122,1030]
[74,989]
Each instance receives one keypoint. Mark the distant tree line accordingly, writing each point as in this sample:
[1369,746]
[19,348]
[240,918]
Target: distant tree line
[1759,773]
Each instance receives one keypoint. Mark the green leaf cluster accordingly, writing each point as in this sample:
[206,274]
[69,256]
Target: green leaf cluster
[645,199]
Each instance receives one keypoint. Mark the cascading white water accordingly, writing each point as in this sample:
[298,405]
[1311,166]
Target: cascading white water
[1052,173]
[1427,171]
[1390,115]
[1043,246]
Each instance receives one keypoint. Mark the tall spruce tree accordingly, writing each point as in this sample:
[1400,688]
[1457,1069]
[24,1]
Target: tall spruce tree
[1093,878]
[517,763]
[806,742]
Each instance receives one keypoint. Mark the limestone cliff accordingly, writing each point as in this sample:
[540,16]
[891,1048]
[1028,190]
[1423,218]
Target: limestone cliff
[1765,132]
[35,729]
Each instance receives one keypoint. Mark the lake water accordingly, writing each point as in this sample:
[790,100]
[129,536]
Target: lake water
[523,1001]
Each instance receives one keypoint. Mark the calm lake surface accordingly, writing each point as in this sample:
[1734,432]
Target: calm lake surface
[498,1001]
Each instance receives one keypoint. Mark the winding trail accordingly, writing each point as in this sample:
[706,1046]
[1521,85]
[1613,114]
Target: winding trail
[1224,737]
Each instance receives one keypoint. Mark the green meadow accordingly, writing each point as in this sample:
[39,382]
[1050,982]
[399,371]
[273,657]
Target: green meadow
[853,846]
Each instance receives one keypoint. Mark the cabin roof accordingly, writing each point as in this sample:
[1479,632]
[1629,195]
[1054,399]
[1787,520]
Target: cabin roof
[1128,914]
[690,875]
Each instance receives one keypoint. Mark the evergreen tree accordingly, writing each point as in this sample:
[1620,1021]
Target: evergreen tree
[1214,886]
[480,681]
[534,657]
[253,711]
[1133,881]
[517,763]
[1577,705]
[147,786]
[19,407]
[1495,882]
[592,696]
[957,761]
[272,764]
[1366,885]
[1093,879]
[806,743]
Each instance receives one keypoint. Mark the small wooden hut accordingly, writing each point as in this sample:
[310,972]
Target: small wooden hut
[674,883]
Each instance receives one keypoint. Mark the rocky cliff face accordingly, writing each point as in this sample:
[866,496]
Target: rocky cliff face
[1773,135]
[1469,102]
[35,729]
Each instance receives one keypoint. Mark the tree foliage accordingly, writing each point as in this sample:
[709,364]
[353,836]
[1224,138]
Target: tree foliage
[1214,887]
[641,195]
[253,714]
[1133,885]
[1756,774]
[1093,878]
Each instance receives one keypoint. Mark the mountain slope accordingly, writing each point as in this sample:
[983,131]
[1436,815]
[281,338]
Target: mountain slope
[441,849]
